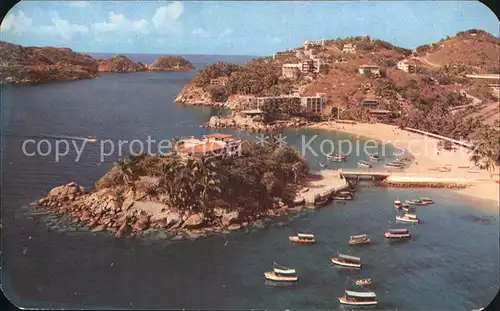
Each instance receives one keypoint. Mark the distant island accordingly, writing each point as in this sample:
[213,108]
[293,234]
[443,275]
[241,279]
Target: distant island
[120,63]
[217,183]
[26,65]
[32,65]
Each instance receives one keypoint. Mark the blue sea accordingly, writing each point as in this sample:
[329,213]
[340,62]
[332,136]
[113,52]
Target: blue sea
[451,262]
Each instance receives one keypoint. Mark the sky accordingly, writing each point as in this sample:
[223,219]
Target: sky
[234,28]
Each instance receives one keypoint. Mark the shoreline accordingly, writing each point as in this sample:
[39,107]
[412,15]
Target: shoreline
[480,183]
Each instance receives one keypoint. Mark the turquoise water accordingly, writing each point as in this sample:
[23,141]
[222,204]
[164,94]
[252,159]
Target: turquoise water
[451,263]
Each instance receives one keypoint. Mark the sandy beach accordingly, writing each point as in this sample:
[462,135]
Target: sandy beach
[427,158]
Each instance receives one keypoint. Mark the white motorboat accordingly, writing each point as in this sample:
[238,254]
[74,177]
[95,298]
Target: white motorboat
[347,261]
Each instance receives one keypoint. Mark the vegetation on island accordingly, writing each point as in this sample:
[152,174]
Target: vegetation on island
[251,181]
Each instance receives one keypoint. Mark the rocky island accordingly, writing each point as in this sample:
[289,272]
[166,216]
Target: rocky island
[120,63]
[28,65]
[194,190]
[170,63]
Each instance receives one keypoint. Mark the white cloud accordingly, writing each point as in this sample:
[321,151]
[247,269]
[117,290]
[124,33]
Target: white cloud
[200,32]
[120,24]
[16,23]
[226,32]
[166,15]
[61,27]
[79,4]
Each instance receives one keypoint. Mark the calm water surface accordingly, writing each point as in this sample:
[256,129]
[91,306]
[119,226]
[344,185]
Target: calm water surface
[450,264]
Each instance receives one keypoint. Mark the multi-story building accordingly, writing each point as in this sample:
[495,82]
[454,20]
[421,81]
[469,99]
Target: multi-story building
[314,104]
[372,69]
[307,65]
[406,66]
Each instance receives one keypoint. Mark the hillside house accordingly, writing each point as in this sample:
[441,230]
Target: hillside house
[407,66]
[307,66]
[370,102]
[369,69]
[349,48]
[291,71]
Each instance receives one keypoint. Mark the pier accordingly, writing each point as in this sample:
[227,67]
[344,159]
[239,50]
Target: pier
[364,175]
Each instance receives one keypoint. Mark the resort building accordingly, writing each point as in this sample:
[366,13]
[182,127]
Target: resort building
[369,69]
[291,71]
[313,43]
[349,48]
[380,115]
[212,145]
[370,102]
[307,66]
[314,104]
[407,66]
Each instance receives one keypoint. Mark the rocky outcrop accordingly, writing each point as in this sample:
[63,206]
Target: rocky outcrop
[251,123]
[28,65]
[170,63]
[120,63]
[193,95]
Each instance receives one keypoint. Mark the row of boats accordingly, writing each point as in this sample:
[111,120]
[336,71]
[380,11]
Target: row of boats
[351,297]
[399,163]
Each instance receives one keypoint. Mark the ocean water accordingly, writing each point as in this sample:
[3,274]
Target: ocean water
[451,263]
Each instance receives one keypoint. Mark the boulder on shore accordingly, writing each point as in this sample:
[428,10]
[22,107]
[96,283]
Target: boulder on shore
[194,221]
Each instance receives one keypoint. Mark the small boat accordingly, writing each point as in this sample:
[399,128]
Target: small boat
[405,207]
[281,274]
[397,234]
[337,157]
[299,201]
[355,298]
[304,238]
[323,165]
[415,202]
[91,139]
[374,157]
[359,239]
[347,261]
[362,163]
[321,201]
[342,197]
[409,218]
[397,204]
[363,282]
[394,165]
[345,192]
[426,200]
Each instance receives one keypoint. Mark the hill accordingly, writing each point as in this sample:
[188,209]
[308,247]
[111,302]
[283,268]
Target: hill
[20,64]
[120,63]
[471,51]
[170,62]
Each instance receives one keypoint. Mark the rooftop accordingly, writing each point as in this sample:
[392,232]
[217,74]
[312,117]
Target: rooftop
[218,136]
[369,66]
[204,148]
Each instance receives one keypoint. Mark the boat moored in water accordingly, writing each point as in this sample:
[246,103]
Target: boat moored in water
[397,204]
[364,281]
[374,157]
[426,200]
[337,157]
[321,201]
[303,238]
[409,218]
[405,207]
[355,298]
[362,163]
[343,197]
[347,261]
[91,139]
[281,274]
[416,202]
[397,234]
[359,239]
